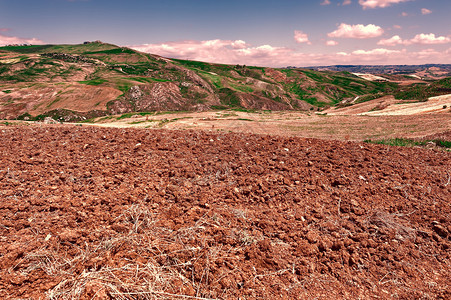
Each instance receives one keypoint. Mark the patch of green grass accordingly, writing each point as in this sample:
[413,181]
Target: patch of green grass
[441,143]
[247,110]
[214,79]
[195,64]
[113,51]
[53,102]
[146,79]
[129,115]
[7,91]
[403,142]
[26,49]
[242,88]
[228,97]
[94,82]
[166,121]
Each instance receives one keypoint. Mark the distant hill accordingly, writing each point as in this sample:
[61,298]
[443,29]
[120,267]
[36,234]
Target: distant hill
[432,71]
[75,82]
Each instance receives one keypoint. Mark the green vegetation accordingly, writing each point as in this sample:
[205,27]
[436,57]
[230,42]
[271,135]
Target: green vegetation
[195,64]
[107,65]
[113,51]
[54,101]
[402,142]
[229,97]
[95,82]
[214,79]
[242,88]
[27,49]
[129,115]
[146,79]
[423,91]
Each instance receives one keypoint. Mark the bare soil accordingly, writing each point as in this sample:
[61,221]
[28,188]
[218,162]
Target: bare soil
[99,213]
[389,106]
[301,124]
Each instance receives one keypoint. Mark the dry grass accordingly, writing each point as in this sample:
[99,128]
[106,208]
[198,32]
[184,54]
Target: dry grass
[171,264]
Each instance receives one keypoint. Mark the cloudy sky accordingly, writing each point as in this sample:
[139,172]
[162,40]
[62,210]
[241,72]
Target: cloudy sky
[274,33]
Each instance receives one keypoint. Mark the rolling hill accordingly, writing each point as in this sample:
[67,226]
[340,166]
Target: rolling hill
[76,82]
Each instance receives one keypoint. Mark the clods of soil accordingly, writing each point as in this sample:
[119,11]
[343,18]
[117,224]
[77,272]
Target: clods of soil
[154,214]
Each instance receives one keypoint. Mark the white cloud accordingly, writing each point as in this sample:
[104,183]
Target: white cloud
[358,31]
[379,3]
[11,40]
[225,51]
[219,51]
[325,2]
[346,2]
[239,44]
[331,43]
[393,41]
[426,11]
[301,37]
[429,39]
[378,51]
[422,38]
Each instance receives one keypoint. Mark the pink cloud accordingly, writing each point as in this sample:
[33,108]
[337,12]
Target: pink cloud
[378,51]
[422,38]
[397,27]
[218,51]
[393,41]
[301,37]
[379,3]
[227,52]
[331,43]
[11,40]
[404,14]
[358,31]
[325,2]
[346,2]
[4,29]
[426,11]
[429,39]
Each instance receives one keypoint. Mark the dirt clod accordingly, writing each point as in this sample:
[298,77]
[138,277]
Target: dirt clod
[152,214]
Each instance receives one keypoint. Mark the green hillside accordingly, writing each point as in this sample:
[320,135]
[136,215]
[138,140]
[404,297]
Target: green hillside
[74,82]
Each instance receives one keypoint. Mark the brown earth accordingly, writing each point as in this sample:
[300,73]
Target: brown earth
[36,100]
[286,123]
[99,213]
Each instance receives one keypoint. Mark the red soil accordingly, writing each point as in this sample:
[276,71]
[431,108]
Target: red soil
[150,214]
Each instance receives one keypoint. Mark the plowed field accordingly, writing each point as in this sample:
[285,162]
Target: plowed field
[105,213]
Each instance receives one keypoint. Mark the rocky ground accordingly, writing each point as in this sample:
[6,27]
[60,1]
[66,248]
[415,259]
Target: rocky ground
[89,212]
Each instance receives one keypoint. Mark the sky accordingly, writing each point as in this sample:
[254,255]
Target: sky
[276,33]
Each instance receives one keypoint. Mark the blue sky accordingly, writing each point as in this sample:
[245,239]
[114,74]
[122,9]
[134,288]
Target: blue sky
[268,33]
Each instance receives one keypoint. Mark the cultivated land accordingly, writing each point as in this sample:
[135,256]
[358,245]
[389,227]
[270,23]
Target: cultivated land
[191,180]
[301,124]
[90,212]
